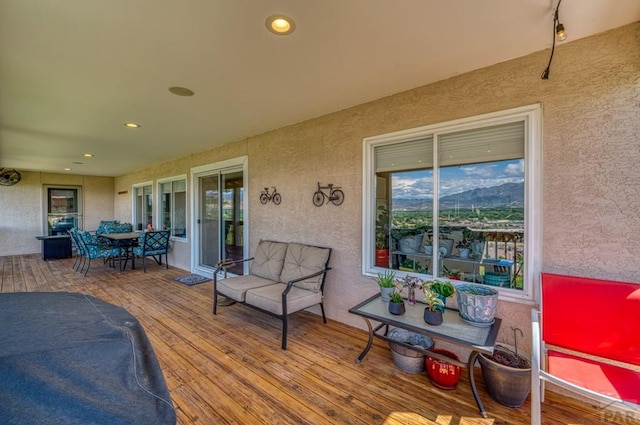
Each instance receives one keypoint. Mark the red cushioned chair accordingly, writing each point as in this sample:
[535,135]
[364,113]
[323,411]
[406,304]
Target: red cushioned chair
[589,341]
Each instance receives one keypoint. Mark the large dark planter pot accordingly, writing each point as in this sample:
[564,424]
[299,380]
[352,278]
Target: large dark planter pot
[509,385]
[396,308]
[432,317]
[442,374]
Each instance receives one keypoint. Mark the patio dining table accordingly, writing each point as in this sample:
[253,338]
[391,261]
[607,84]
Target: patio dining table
[455,330]
[126,241]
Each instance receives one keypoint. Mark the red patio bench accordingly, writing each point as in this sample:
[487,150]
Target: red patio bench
[589,341]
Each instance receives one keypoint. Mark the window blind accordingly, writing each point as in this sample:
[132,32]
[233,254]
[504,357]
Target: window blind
[412,155]
[495,143]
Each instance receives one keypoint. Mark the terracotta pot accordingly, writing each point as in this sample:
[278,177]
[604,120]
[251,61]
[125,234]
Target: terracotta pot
[442,374]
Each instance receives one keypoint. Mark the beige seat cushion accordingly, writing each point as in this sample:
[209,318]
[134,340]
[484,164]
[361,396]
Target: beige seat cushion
[303,260]
[236,287]
[269,298]
[268,260]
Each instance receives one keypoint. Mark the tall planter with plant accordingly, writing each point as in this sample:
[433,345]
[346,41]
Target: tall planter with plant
[507,374]
[382,237]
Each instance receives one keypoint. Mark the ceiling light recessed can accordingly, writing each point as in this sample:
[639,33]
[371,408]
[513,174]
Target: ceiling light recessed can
[181,91]
[87,155]
[67,169]
[280,24]
[131,125]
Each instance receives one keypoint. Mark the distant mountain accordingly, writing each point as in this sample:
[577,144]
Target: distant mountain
[508,194]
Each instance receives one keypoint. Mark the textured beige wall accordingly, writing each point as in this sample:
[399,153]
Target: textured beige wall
[591,210]
[22,209]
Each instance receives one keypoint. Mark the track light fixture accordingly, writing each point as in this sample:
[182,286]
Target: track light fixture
[559,34]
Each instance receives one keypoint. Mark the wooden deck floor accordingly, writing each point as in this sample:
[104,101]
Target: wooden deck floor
[229,368]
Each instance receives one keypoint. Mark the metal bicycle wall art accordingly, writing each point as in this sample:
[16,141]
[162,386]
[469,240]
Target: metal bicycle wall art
[335,195]
[274,196]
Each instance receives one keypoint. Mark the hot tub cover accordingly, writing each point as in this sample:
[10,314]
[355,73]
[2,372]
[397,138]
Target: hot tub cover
[69,358]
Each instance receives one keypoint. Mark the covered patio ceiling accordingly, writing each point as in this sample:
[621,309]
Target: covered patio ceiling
[73,72]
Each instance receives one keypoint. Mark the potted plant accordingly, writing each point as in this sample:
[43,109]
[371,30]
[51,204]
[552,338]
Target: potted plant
[477,303]
[387,283]
[407,265]
[507,374]
[464,248]
[382,237]
[455,274]
[444,290]
[432,312]
[396,304]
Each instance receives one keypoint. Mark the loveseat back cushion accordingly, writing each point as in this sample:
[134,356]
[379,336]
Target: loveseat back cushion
[303,260]
[268,260]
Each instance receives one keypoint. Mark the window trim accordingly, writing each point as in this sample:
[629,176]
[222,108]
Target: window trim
[133,202]
[159,183]
[532,117]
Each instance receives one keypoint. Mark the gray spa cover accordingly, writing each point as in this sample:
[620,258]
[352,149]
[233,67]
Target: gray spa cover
[73,359]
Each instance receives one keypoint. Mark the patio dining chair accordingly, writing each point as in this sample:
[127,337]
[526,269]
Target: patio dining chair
[153,244]
[77,245]
[92,248]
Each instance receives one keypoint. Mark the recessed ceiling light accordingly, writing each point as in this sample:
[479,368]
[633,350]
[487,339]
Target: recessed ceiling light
[280,24]
[181,91]
[67,169]
[132,125]
[87,155]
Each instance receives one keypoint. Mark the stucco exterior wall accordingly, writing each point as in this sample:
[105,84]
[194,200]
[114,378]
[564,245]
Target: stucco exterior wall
[591,202]
[22,207]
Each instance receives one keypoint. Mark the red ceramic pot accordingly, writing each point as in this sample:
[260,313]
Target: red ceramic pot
[382,257]
[442,374]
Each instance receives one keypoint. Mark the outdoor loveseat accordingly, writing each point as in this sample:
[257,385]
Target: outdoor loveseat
[283,278]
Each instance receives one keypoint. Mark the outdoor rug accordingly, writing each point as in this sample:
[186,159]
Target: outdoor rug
[192,279]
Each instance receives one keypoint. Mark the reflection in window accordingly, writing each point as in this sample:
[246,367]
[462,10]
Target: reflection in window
[143,206]
[450,202]
[63,210]
[173,206]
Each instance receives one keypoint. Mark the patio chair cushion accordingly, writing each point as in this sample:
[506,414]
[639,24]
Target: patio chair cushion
[237,287]
[113,227]
[268,259]
[269,298]
[303,260]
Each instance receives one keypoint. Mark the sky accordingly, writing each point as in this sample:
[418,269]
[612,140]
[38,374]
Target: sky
[457,179]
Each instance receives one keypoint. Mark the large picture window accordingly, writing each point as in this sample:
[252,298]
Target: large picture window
[143,206]
[457,201]
[173,206]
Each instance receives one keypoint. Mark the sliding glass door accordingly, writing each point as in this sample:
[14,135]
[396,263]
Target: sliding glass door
[218,217]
